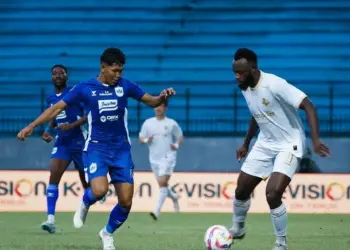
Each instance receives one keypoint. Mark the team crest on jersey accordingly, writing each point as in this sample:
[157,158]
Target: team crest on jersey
[119,91]
[93,167]
[265,101]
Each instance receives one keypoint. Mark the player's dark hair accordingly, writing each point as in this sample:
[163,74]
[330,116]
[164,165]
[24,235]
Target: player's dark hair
[59,66]
[113,55]
[247,54]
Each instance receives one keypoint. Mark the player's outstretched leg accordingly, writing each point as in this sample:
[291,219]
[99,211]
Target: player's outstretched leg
[118,215]
[245,186]
[96,191]
[276,186]
[57,168]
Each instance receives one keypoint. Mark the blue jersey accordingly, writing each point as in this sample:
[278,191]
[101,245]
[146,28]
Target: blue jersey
[107,111]
[69,115]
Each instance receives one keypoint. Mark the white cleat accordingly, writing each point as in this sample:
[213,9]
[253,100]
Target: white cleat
[107,241]
[80,215]
[279,247]
[237,233]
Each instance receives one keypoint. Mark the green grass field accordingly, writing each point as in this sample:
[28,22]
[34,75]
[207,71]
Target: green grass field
[172,231]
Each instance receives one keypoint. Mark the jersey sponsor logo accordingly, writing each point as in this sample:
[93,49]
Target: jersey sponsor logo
[106,93]
[110,118]
[119,91]
[264,115]
[107,105]
[61,115]
[93,93]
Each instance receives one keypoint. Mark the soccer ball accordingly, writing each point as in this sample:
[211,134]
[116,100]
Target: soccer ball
[217,237]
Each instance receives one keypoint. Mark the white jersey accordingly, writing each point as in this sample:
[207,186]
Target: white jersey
[164,132]
[274,104]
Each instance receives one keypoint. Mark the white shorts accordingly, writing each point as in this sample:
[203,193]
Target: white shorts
[163,168]
[262,162]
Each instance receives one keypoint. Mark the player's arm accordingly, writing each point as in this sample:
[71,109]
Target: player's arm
[48,130]
[312,119]
[155,101]
[138,94]
[77,123]
[299,100]
[144,138]
[46,116]
[74,95]
[252,130]
[178,134]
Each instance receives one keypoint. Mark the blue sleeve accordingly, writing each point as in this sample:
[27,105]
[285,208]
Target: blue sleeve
[75,95]
[135,91]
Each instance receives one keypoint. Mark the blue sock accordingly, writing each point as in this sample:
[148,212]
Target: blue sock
[89,198]
[117,217]
[51,198]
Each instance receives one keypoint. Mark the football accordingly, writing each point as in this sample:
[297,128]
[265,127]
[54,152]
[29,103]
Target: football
[217,237]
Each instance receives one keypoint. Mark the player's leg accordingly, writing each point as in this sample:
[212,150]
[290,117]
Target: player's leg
[79,165]
[96,175]
[257,166]
[122,177]
[246,184]
[163,175]
[58,164]
[286,164]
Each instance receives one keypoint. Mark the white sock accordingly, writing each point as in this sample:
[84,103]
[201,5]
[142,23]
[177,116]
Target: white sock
[51,218]
[240,210]
[163,192]
[171,194]
[279,221]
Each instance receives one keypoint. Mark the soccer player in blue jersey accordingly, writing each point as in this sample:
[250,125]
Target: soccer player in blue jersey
[107,148]
[68,145]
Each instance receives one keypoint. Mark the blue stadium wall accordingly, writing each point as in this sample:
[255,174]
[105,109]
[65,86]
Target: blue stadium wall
[196,155]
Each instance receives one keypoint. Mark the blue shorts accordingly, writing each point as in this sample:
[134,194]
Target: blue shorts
[118,164]
[69,153]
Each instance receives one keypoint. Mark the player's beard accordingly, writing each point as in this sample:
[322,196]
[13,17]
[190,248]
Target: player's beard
[249,82]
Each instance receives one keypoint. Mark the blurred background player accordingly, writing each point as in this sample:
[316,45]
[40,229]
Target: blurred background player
[164,137]
[281,143]
[68,142]
[107,148]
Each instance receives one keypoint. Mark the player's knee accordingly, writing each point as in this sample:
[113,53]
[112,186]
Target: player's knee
[125,202]
[242,194]
[99,191]
[273,197]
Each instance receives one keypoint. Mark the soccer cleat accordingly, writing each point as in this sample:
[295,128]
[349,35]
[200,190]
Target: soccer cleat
[107,241]
[80,215]
[237,233]
[49,227]
[279,247]
[154,217]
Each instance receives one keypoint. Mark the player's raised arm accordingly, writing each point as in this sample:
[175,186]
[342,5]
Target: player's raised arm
[46,116]
[155,101]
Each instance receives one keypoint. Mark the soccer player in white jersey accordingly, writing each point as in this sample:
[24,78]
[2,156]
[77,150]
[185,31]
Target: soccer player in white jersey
[163,136]
[280,146]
